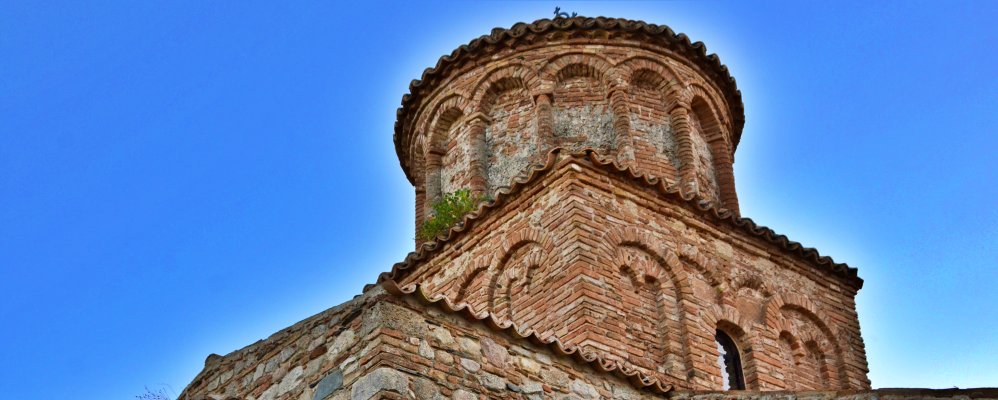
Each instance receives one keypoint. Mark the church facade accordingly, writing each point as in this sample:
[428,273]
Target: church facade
[609,261]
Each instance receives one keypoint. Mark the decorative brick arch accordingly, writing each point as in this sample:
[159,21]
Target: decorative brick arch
[712,316]
[708,267]
[696,89]
[481,279]
[788,366]
[671,80]
[775,322]
[601,69]
[494,130]
[431,111]
[418,155]
[779,301]
[444,115]
[650,86]
[481,264]
[742,329]
[716,136]
[608,80]
[513,275]
[828,369]
[524,76]
[714,133]
[670,270]
[750,281]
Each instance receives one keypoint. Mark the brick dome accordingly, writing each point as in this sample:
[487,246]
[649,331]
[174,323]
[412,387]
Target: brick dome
[633,91]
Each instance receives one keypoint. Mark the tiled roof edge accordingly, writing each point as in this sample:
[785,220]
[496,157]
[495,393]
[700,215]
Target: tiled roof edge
[696,52]
[630,374]
[721,215]
[745,224]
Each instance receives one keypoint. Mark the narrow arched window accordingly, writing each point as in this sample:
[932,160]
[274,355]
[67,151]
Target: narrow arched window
[729,361]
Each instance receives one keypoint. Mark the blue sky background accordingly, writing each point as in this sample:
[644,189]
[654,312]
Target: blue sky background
[187,177]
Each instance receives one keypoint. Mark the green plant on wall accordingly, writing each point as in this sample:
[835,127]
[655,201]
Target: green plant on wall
[448,211]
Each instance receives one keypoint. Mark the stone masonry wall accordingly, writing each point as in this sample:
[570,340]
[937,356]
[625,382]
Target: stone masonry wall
[598,259]
[384,347]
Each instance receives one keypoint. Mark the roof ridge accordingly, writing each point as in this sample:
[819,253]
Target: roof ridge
[629,373]
[699,204]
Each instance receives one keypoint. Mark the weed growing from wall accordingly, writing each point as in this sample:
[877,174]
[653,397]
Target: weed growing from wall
[448,211]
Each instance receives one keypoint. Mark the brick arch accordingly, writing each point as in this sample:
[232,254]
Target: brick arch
[823,352]
[740,328]
[487,271]
[599,68]
[444,115]
[751,281]
[670,269]
[774,319]
[718,135]
[797,353]
[650,88]
[496,80]
[508,136]
[520,274]
[436,150]
[713,133]
[706,266]
[481,264]
[718,313]
[779,301]
[719,104]
[719,128]
[431,111]
[631,67]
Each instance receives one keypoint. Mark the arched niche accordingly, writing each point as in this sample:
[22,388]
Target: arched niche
[651,89]
[823,365]
[445,163]
[511,139]
[704,126]
[741,330]
[508,282]
[581,107]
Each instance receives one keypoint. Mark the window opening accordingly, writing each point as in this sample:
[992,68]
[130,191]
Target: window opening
[730,362]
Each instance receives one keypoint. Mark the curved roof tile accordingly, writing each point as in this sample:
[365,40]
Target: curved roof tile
[723,216]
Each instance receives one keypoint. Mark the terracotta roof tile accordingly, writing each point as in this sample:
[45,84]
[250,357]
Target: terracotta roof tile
[722,216]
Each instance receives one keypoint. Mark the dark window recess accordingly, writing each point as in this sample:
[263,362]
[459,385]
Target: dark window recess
[730,362]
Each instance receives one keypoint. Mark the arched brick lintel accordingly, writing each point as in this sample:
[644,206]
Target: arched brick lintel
[605,72]
[775,323]
[743,330]
[527,78]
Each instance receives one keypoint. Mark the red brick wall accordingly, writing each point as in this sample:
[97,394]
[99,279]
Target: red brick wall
[598,259]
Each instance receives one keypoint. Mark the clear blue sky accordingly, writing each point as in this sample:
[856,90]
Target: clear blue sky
[187,177]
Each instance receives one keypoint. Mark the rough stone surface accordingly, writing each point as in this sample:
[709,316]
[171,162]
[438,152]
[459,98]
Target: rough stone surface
[328,385]
[381,379]
[494,353]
